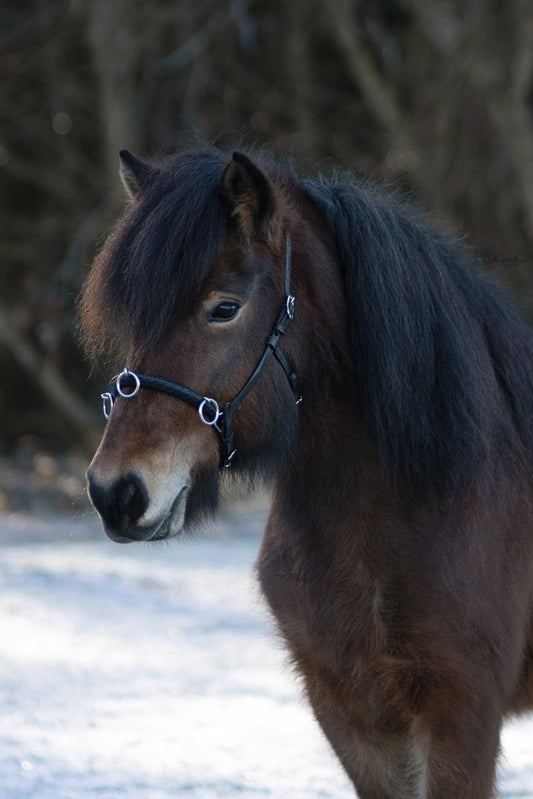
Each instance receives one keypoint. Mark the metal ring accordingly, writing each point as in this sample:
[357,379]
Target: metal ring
[107,403]
[213,404]
[136,388]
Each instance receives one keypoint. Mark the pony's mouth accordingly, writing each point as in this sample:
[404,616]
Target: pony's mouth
[172,524]
[168,526]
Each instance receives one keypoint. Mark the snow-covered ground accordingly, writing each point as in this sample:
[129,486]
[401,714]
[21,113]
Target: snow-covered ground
[153,672]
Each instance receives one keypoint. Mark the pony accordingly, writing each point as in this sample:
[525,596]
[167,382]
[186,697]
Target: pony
[325,335]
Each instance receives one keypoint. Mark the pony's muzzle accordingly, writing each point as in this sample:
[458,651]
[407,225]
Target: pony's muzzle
[121,504]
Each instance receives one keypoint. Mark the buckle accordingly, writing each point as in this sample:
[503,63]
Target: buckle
[227,462]
[290,306]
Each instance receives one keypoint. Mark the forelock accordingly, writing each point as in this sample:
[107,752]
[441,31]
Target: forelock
[152,266]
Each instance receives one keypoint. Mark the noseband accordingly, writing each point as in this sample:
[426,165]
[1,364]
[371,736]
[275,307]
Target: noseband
[128,384]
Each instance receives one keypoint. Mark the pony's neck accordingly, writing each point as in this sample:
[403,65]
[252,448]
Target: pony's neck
[333,467]
[333,460]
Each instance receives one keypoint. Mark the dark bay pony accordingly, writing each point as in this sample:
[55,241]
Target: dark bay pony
[398,555]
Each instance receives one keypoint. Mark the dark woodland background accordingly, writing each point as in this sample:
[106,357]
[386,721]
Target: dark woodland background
[434,96]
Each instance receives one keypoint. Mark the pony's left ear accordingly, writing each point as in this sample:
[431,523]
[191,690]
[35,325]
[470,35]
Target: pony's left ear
[249,194]
[135,173]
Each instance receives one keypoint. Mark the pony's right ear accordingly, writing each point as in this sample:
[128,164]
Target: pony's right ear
[135,173]
[249,194]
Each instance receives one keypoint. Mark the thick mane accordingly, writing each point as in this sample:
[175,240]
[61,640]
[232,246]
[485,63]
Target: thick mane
[444,367]
[154,262]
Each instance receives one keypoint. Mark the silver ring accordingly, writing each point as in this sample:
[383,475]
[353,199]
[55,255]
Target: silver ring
[107,404]
[213,405]
[136,388]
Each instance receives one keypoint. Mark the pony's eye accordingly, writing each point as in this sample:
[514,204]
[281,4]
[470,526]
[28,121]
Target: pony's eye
[224,311]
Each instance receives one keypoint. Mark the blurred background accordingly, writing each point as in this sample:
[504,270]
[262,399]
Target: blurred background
[435,96]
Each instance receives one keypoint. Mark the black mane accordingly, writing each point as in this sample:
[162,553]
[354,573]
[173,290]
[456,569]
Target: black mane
[444,366]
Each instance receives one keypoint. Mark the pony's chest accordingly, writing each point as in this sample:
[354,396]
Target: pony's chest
[342,637]
[325,605]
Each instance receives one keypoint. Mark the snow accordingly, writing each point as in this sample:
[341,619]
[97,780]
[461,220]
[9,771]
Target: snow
[153,671]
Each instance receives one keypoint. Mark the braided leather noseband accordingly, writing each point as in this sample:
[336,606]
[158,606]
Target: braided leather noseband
[128,384]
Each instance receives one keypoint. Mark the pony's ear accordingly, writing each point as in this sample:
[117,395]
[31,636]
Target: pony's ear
[135,173]
[249,194]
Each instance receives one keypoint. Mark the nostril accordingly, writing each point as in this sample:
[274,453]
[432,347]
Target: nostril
[122,503]
[131,497]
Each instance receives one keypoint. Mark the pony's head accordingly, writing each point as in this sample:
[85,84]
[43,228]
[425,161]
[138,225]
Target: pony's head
[191,287]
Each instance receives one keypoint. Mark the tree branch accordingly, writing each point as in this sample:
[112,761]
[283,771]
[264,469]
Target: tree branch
[50,381]
[381,101]
[505,97]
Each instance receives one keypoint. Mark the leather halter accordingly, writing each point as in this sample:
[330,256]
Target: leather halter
[128,384]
